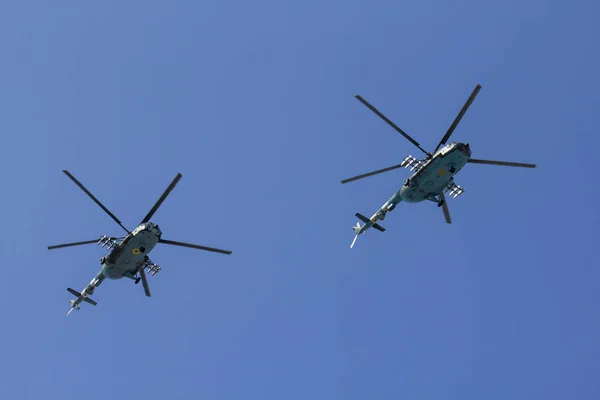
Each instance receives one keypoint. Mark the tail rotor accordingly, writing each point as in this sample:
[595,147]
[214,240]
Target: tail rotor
[356,229]
[74,306]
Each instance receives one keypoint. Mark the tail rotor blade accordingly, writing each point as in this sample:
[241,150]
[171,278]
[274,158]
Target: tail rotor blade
[145,281]
[458,117]
[95,200]
[354,241]
[162,198]
[193,246]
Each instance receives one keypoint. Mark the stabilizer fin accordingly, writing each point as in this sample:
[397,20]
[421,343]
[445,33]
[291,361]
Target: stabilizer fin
[379,227]
[362,218]
[89,301]
[368,221]
[77,294]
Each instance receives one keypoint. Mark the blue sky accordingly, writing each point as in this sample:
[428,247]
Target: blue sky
[253,103]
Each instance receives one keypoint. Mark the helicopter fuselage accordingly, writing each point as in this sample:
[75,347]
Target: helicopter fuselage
[436,174]
[430,180]
[125,259]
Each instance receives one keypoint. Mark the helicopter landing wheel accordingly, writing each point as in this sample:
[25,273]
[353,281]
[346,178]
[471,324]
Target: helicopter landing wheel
[441,203]
[137,280]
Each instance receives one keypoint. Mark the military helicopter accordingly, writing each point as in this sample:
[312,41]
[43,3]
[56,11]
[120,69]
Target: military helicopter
[433,174]
[128,255]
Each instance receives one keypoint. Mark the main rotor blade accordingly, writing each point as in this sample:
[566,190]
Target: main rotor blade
[383,117]
[445,209]
[162,198]
[503,163]
[95,199]
[194,246]
[372,173]
[145,281]
[458,117]
[72,244]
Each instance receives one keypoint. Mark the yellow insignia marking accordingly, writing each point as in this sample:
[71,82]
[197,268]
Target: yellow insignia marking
[136,251]
[441,172]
